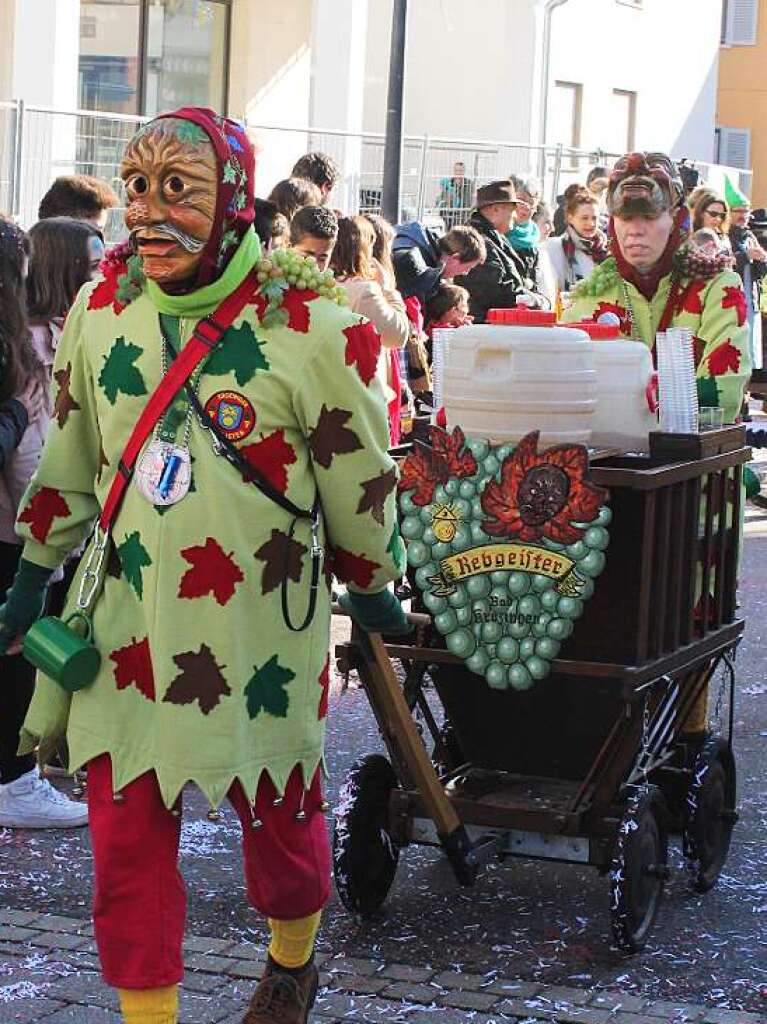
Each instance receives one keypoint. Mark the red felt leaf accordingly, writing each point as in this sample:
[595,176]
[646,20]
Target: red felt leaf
[46,505]
[735,298]
[105,292]
[295,302]
[449,447]
[213,572]
[724,359]
[363,346]
[421,471]
[620,311]
[324,681]
[351,568]
[133,667]
[271,456]
[690,299]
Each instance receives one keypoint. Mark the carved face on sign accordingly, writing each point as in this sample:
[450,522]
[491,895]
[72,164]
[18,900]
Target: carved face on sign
[171,180]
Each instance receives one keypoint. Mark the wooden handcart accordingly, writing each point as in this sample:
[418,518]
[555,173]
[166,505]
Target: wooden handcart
[601,761]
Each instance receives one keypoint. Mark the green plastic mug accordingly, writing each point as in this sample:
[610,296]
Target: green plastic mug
[62,653]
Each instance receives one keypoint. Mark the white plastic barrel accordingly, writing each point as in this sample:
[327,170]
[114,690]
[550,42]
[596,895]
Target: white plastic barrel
[502,382]
[623,418]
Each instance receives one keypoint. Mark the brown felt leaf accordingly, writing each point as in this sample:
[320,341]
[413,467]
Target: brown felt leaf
[282,557]
[64,403]
[375,493]
[200,680]
[330,437]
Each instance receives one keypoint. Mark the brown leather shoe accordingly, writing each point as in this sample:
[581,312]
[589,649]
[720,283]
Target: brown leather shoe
[283,997]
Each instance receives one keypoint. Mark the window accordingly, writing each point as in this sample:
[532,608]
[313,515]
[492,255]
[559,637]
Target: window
[565,114]
[734,147]
[143,56]
[621,125]
[739,22]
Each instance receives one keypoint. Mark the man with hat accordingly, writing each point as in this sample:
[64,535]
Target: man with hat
[497,283]
[750,262]
[258,438]
[654,280]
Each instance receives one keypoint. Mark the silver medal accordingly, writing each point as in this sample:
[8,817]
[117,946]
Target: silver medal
[164,473]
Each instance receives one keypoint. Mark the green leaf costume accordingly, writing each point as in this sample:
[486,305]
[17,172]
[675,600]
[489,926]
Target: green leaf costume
[200,678]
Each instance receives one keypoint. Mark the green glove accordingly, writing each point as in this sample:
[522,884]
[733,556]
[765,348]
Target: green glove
[752,482]
[24,601]
[376,613]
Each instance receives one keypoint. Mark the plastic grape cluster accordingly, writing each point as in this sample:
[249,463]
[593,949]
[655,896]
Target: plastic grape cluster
[507,653]
[601,280]
[300,272]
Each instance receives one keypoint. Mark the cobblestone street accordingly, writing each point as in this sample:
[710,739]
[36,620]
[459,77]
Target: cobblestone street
[49,973]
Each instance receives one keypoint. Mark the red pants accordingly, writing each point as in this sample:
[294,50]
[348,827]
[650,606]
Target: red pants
[139,904]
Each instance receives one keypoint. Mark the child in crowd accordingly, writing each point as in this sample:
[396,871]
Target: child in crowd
[271,226]
[291,194]
[313,232]
[448,307]
[370,293]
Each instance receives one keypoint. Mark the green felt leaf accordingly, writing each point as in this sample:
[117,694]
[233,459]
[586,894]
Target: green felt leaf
[239,353]
[118,374]
[396,548]
[134,557]
[708,392]
[188,131]
[266,689]
[229,239]
[230,174]
[240,200]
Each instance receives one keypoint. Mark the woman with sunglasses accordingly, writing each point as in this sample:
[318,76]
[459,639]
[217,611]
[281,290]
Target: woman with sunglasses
[711,211]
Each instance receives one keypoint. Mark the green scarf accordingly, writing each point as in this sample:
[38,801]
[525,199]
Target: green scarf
[524,236]
[198,304]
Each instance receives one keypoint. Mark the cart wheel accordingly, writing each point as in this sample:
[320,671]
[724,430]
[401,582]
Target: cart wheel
[447,754]
[711,814]
[639,869]
[364,854]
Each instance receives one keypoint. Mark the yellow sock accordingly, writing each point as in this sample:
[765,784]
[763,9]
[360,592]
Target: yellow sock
[293,941]
[149,1005]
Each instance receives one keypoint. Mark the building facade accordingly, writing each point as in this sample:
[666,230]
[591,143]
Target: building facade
[742,100]
[524,74]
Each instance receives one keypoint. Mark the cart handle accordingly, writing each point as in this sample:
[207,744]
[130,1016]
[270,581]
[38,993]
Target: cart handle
[417,618]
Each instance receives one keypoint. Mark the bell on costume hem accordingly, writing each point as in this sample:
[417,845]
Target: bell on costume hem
[213,815]
[277,802]
[118,798]
[256,823]
[324,806]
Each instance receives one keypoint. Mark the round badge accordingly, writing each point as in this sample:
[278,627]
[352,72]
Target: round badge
[232,413]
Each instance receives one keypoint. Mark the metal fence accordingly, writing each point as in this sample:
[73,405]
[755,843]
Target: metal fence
[40,143]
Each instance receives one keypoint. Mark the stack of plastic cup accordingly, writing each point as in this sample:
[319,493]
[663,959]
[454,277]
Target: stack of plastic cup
[440,342]
[676,377]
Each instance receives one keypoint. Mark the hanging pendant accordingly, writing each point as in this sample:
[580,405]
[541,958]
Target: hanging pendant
[164,473]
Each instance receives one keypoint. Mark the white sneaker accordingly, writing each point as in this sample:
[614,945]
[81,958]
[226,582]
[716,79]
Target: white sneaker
[32,802]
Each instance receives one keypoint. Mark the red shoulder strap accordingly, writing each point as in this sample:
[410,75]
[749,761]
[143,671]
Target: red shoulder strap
[205,337]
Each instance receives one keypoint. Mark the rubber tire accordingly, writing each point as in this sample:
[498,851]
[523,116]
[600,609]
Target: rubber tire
[364,855]
[636,896]
[708,829]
